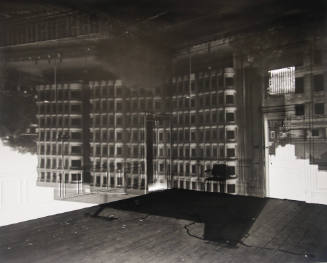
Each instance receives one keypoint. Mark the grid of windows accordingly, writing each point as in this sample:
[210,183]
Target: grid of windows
[204,121]
[60,131]
[118,126]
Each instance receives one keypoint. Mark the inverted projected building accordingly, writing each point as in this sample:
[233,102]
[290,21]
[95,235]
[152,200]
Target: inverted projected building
[97,133]
[117,135]
[61,142]
[204,128]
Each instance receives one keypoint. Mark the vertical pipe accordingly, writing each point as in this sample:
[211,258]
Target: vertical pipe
[145,156]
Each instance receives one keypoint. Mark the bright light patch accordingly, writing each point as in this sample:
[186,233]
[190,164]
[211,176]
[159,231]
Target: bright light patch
[297,179]
[157,186]
[20,198]
[281,81]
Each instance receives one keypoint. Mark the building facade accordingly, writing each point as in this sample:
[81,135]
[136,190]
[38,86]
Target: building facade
[108,138]
[61,141]
[215,109]
[295,107]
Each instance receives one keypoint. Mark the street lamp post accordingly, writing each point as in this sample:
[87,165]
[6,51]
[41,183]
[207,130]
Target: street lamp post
[62,137]
[57,58]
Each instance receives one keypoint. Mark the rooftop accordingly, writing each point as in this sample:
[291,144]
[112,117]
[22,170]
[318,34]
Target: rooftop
[174,226]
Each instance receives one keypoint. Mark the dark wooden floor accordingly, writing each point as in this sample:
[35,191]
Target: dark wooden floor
[174,226]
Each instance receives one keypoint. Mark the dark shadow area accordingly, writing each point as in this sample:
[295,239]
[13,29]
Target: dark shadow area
[18,109]
[229,221]
[226,218]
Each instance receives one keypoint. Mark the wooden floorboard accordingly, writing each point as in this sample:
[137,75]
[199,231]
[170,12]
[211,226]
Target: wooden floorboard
[174,226]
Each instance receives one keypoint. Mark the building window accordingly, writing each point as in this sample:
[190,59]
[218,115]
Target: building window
[76,163]
[97,120]
[119,121]
[281,81]
[181,168]
[135,105]
[214,151]
[214,134]
[119,136]
[111,135]
[187,135]
[104,150]
[221,152]
[206,83]
[76,122]
[187,119]
[135,120]
[299,109]
[192,102]
[142,104]
[104,120]
[127,105]
[193,170]
[104,135]
[208,152]
[299,85]
[207,100]
[135,136]
[317,57]
[42,150]
[319,108]
[318,82]
[119,106]
[229,99]
[119,150]
[187,153]
[207,135]
[76,135]
[213,82]
[230,135]
[75,95]
[230,116]
[111,120]
[135,151]
[48,177]
[200,135]
[110,105]
[118,91]
[231,170]
[98,150]
[231,188]
[315,132]
[229,81]
[181,135]
[230,152]
[221,134]
[97,135]
[54,177]
[221,116]
[76,149]
[187,169]
[221,98]
[180,152]
[192,119]
[112,150]
[76,108]
[157,105]
[54,163]
[201,151]
[207,117]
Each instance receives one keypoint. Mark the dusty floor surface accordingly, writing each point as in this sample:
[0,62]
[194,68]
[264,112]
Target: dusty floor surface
[174,226]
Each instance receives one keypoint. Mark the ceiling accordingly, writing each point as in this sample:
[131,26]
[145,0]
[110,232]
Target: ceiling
[183,20]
